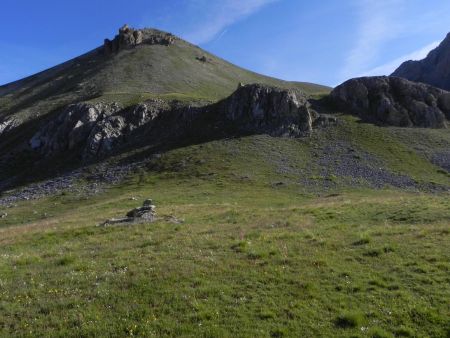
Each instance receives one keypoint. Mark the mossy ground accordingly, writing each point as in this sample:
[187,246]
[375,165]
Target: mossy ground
[253,258]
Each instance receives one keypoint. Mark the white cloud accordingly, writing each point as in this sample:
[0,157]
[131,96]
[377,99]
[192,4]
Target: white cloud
[389,67]
[219,15]
[379,21]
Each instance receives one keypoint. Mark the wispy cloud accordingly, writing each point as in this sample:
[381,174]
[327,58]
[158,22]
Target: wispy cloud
[220,14]
[389,67]
[378,21]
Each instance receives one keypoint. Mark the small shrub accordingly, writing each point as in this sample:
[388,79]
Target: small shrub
[373,253]
[266,314]
[279,333]
[404,331]
[362,241]
[349,320]
[66,260]
[388,248]
[377,282]
[377,332]
[240,246]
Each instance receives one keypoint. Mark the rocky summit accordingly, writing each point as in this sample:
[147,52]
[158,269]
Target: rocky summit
[394,101]
[433,70]
[129,37]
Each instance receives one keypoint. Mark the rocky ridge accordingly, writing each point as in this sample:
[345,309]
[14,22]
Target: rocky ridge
[394,101]
[98,129]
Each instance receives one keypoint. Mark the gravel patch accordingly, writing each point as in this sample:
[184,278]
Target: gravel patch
[442,159]
[84,181]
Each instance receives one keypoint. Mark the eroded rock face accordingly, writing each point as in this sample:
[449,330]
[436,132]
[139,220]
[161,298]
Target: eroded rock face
[129,38]
[95,127]
[279,112]
[433,70]
[394,101]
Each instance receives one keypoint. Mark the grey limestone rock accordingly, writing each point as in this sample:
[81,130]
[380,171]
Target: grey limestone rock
[279,112]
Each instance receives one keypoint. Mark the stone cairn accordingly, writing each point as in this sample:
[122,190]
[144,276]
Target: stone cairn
[144,214]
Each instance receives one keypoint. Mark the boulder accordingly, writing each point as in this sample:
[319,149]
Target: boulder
[393,101]
[278,112]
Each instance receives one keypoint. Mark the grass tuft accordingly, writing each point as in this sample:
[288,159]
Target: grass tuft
[349,320]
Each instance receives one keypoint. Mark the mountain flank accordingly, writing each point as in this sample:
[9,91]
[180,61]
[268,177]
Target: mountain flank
[146,92]
[433,70]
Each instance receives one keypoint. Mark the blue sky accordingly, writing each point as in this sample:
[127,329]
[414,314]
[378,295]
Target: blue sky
[325,41]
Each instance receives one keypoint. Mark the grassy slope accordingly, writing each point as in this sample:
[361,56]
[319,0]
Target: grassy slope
[251,259]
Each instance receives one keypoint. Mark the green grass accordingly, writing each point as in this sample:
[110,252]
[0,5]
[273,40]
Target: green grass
[251,259]
[260,252]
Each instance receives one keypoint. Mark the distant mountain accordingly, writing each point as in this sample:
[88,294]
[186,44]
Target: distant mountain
[433,70]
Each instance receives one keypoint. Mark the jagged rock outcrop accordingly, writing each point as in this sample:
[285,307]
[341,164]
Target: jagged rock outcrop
[129,38]
[278,112]
[394,101]
[433,70]
[95,127]
[98,129]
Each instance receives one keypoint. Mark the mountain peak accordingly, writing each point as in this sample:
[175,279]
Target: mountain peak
[130,37]
[433,70]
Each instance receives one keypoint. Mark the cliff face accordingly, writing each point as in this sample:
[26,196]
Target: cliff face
[433,70]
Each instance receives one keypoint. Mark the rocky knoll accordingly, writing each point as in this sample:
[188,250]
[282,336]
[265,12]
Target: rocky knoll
[98,129]
[433,70]
[278,112]
[129,37]
[394,101]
